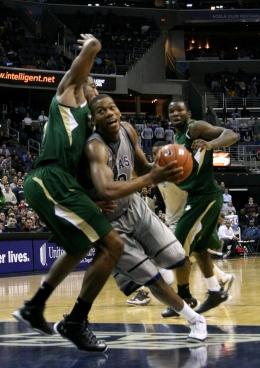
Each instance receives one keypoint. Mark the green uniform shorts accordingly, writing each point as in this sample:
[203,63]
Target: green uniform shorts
[196,229]
[63,205]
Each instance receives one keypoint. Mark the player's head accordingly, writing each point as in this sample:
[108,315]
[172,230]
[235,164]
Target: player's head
[105,114]
[90,89]
[157,145]
[179,113]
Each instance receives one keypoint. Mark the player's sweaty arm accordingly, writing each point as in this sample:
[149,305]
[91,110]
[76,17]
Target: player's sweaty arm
[81,66]
[208,136]
[102,175]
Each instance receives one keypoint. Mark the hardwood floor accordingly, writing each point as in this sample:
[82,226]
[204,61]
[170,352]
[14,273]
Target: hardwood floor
[243,308]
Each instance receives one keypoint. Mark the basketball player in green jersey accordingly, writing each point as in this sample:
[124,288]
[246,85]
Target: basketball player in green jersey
[75,221]
[196,228]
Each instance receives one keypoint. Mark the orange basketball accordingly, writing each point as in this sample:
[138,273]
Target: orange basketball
[176,152]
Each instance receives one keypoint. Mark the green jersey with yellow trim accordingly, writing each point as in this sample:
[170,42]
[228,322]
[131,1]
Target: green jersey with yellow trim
[64,136]
[201,181]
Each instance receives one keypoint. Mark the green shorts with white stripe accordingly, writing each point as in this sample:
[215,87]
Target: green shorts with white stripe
[63,205]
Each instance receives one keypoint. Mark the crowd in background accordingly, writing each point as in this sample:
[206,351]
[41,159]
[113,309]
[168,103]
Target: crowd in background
[125,40]
[240,84]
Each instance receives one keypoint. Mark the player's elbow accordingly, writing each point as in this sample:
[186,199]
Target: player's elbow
[234,137]
[106,194]
[237,137]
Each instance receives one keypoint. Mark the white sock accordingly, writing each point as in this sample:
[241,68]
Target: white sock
[188,313]
[211,251]
[221,275]
[212,283]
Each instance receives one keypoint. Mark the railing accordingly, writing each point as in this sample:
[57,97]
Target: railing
[244,155]
[33,146]
[218,101]
[13,133]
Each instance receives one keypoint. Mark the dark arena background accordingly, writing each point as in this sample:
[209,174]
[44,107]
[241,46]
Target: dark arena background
[206,53]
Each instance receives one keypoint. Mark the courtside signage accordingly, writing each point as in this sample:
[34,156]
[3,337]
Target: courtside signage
[46,79]
[46,253]
[16,256]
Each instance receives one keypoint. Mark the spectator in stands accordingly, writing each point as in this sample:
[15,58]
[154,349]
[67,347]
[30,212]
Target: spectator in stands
[11,175]
[2,227]
[148,200]
[3,217]
[42,118]
[253,87]
[245,113]
[251,232]
[158,199]
[211,116]
[2,199]
[159,133]
[6,164]
[233,124]
[18,191]
[13,182]
[236,113]
[251,207]
[15,210]
[161,215]
[12,225]
[226,234]
[4,151]
[147,139]
[4,181]
[35,222]
[51,63]
[254,216]
[247,138]
[222,186]
[10,197]
[256,129]
[243,219]
[27,124]
[231,209]
[28,226]
[169,134]
[226,196]
[17,164]
[228,209]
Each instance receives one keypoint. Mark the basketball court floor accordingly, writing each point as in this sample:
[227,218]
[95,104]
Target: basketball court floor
[138,337]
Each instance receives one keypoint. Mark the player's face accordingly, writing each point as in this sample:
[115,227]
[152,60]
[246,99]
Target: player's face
[106,116]
[90,89]
[178,113]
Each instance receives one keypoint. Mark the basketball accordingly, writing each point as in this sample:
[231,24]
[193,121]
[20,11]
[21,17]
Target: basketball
[176,152]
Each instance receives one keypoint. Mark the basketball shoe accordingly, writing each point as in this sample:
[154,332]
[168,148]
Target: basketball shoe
[32,316]
[213,300]
[80,335]
[227,282]
[140,298]
[198,330]
[171,312]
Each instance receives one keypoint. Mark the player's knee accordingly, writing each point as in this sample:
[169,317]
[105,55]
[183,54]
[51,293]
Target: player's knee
[114,245]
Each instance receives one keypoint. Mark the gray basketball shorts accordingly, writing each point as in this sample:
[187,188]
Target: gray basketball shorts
[148,243]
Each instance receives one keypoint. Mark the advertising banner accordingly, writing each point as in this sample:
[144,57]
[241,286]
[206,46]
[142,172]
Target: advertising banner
[46,79]
[16,256]
[45,253]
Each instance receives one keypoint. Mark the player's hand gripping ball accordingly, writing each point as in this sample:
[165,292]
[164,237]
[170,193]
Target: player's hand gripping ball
[176,152]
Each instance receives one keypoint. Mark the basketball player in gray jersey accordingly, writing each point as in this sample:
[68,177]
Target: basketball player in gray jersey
[112,153]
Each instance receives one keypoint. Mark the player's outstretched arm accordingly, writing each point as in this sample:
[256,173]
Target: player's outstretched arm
[103,180]
[207,136]
[81,66]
